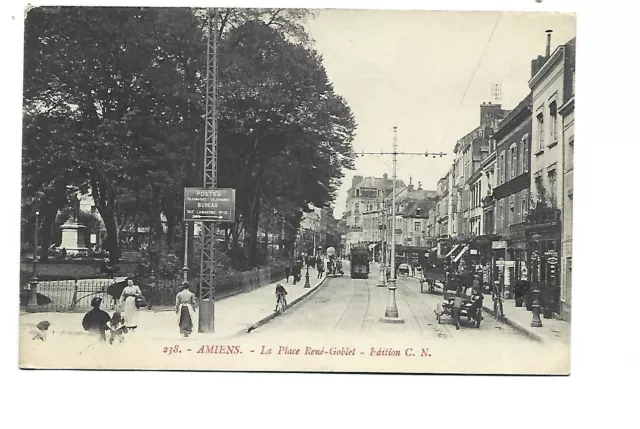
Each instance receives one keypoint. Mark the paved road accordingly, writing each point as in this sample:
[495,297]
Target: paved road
[349,311]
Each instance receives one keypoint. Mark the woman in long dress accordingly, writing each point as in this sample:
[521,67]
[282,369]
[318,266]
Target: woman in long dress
[128,300]
[185,309]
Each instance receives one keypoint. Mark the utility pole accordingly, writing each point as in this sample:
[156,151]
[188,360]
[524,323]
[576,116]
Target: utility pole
[391,312]
[383,232]
[208,243]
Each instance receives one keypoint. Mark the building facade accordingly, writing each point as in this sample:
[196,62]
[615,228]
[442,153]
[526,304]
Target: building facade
[548,85]
[511,195]
[364,203]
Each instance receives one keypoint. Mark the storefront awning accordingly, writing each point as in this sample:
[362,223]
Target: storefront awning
[464,250]
[452,250]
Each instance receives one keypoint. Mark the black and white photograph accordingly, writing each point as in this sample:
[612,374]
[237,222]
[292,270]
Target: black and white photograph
[299,190]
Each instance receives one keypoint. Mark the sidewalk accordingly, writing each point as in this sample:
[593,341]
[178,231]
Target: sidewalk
[233,315]
[551,331]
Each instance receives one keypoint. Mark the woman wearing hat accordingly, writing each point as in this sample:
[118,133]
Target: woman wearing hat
[95,321]
[185,309]
[128,300]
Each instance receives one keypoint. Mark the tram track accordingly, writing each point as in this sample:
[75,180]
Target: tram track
[410,296]
[345,317]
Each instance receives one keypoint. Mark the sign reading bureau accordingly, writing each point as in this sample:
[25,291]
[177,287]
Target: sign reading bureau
[209,205]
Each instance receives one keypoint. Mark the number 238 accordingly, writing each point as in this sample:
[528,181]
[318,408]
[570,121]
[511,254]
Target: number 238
[171,350]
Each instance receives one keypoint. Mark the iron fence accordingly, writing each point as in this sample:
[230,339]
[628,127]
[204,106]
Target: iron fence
[76,294]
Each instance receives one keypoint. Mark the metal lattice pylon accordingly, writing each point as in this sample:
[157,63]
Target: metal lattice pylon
[208,243]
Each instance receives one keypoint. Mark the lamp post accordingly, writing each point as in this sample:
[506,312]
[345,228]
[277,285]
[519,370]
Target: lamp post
[382,282]
[185,267]
[33,281]
[535,306]
[391,313]
[306,277]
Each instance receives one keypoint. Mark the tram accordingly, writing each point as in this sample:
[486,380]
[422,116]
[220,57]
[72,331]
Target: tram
[359,262]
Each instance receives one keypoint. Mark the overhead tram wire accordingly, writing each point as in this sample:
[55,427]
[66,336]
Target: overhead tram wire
[484,51]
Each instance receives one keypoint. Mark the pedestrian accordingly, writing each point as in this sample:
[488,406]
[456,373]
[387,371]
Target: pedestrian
[477,286]
[117,328]
[281,293]
[287,272]
[457,307]
[320,269]
[185,309]
[95,320]
[128,300]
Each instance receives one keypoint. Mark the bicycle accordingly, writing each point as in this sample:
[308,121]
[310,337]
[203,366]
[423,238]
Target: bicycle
[281,304]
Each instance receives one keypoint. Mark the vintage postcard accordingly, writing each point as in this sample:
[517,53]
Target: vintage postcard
[371,191]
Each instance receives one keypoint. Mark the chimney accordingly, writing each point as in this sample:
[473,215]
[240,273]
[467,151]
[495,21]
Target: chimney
[385,176]
[548,50]
[410,183]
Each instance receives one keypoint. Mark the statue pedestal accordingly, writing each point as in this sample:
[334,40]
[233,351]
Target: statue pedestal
[73,238]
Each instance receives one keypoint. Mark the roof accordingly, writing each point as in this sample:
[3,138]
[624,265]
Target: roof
[424,205]
[511,120]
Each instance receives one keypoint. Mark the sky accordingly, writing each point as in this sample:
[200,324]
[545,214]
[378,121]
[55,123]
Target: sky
[427,73]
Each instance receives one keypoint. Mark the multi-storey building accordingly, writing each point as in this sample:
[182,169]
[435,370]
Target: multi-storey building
[566,111]
[468,183]
[319,230]
[364,202]
[511,194]
[549,82]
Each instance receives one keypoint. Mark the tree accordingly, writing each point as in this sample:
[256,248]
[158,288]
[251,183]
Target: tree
[281,126]
[125,90]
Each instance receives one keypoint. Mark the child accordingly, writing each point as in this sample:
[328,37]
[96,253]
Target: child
[117,328]
[40,333]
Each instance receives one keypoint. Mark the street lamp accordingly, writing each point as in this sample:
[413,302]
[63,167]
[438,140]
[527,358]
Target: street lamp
[391,313]
[33,281]
[306,282]
[535,307]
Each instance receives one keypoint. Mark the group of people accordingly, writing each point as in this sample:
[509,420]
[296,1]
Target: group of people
[99,323]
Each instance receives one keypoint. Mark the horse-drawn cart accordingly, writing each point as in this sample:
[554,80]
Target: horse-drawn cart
[471,305]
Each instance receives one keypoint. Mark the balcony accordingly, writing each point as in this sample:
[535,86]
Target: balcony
[543,217]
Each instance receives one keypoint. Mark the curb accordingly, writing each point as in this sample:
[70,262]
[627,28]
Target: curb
[272,316]
[515,325]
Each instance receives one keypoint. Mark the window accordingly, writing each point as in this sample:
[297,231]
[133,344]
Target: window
[418,212]
[525,205]
[417,227]
[540,132]
[553,112]
[356,210]
[357,192]
[502,168]
[514,162]
[552,187]
[525,156]
[356,220]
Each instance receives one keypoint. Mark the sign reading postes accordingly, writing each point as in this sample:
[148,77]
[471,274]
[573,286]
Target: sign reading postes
[209,205]
[499,245]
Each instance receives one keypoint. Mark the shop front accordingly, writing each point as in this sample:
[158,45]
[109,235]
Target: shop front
[544,241]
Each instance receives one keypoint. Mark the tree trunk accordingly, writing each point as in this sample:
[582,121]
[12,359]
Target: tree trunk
[112,238]
[171,224]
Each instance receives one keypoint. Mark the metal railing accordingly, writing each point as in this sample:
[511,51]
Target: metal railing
[76,294]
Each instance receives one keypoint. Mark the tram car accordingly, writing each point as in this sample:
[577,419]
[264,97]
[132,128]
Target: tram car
[359,262]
